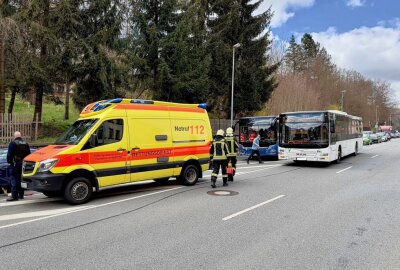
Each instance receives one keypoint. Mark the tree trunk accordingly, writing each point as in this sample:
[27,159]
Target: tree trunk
[42,60]
[67,89]
[12,101]
[2,75]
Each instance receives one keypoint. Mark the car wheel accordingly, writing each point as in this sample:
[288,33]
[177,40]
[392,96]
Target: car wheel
[78,190]
[189,175]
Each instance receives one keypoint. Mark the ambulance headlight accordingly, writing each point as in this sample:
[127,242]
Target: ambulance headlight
[47,164]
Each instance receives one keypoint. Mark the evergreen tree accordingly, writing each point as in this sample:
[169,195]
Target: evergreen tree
[36,16]
[9,30]
[294,57]
[97,62]
[152,21]
[185,61]
[254,81]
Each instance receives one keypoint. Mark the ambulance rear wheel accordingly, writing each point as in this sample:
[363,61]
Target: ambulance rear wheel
[78,190]
[189,175]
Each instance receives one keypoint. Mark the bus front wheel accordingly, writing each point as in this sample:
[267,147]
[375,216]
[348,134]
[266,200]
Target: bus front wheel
[339,156]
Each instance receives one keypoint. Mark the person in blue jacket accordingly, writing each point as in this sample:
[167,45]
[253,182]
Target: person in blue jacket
[18,149]
[255,149]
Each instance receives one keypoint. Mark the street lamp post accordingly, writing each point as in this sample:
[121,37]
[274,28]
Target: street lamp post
[237,45]
[376,117]
[341,102]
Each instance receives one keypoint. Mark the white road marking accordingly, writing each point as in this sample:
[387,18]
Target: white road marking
[345,169]
[40,213]
[375,156]
[74,210]
[252,208]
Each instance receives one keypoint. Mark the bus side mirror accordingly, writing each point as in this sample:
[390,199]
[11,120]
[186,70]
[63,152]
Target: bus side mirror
[93,140]
[332,127]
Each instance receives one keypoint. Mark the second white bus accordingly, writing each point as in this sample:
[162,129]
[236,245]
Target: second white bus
[325,136]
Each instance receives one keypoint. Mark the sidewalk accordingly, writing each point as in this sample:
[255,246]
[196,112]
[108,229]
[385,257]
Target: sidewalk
[29,196]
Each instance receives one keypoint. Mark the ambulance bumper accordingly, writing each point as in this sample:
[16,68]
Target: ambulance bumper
[46,181]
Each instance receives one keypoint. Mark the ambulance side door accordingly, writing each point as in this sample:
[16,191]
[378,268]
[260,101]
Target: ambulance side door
[108,151]
[151,148]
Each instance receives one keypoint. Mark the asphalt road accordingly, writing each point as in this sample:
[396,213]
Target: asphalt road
[280,215]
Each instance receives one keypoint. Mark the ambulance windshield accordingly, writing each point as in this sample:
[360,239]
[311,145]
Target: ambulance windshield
[76,132]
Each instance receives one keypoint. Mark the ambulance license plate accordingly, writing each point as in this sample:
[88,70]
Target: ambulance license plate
[24,185]
[301,158]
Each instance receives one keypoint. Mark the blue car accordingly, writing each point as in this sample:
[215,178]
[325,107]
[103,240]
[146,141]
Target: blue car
[4,171]
[5,181]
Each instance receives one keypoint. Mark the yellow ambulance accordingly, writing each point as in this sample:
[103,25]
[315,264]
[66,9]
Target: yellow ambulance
[120,141]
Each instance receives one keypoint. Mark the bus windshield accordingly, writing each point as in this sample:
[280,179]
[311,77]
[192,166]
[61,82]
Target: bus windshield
[76,132]
[250,127]
[305,130]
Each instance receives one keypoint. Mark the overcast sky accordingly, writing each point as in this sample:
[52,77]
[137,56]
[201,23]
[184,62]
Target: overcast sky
[360,35]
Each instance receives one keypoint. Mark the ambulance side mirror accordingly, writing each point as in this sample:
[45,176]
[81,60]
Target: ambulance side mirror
[93,140]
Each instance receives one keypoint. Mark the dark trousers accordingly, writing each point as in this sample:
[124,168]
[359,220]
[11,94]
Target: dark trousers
[216,165]
[255,152]
[15,175]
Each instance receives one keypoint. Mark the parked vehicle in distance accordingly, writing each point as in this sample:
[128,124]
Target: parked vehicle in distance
[375,138]
[367,139]
[383,135]
[388,136]
[4,171]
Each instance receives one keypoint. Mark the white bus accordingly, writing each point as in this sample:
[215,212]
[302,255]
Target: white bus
[319,135]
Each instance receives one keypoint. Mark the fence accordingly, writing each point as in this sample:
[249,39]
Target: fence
[9,123]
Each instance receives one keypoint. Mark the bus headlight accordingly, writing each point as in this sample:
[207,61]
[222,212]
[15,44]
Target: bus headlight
[47,164]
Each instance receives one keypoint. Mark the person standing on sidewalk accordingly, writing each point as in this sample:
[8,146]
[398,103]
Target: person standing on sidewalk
[233,147]
[18,149]
[218,152]
[255,149]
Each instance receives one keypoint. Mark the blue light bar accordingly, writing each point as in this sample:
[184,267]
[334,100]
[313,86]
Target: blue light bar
[203,106]
[100,107]
[115,100]
[142,101]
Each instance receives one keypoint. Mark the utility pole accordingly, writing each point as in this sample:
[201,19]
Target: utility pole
[237,45]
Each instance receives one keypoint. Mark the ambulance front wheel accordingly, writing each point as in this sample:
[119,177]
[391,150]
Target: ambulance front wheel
[189,175]
[78,190]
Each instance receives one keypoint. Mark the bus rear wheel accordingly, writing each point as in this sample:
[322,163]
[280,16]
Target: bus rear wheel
[355,150]
[189,175]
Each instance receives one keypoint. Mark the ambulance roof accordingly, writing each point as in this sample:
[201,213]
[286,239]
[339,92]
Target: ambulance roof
[101,106]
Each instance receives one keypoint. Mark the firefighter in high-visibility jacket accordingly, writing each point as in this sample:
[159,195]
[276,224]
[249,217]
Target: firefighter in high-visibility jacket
[233,147]
[218,152]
